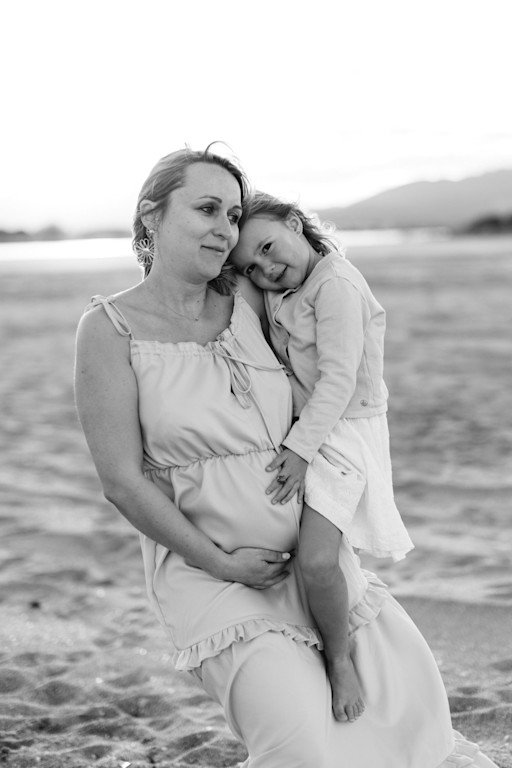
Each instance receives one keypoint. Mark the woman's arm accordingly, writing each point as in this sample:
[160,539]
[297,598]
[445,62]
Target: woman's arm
[107,402]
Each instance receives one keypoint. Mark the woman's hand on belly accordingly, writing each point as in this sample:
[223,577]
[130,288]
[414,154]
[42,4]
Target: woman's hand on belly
[257,568]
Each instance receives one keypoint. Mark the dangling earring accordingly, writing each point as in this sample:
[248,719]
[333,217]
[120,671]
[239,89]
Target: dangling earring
[145,249]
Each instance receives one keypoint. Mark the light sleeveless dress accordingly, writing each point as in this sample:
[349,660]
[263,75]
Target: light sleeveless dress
[212,418]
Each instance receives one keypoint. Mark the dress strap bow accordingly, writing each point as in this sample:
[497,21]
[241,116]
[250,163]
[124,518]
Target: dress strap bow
[241,383]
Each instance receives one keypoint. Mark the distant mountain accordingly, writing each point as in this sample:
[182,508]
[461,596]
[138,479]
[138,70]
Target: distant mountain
[454,204]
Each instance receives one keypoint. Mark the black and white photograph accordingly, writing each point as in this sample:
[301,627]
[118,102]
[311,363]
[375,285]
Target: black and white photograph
[256,384]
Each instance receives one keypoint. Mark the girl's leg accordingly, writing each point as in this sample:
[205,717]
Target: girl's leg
[326,588]
[276,700]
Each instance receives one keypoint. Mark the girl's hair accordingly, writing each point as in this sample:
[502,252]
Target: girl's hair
[260,204]
[168,175]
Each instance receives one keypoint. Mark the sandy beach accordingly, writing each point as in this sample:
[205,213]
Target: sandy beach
[85,671]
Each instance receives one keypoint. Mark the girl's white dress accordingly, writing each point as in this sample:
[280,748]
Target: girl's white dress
[349,481]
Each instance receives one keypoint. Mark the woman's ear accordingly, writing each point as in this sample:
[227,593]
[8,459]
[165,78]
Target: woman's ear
[148,215]
[294,223]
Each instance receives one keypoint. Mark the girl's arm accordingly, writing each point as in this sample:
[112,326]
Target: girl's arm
[342,315]
[107,402]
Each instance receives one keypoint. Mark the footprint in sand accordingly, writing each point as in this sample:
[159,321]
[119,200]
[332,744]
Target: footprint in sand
[505,695]
[13,708]
[469,690]
[92,751]
[49,725]
[75,656]
[468,703]
[502,593]
[56,692]
[136,677]
[186,743]
[33,659]
[145,705]
[73,575]
[101,712]
[197,700]
[11,680]
[503,666]
[216,753]
[55,670]
[120,728]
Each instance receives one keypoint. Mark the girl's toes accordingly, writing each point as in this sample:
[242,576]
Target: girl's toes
[352,713]
[339,713]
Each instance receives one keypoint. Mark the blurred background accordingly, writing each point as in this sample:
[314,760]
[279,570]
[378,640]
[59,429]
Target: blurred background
[327,103]
[389,119]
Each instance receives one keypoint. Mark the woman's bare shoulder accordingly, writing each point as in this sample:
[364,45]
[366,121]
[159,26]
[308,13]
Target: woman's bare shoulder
[97,316]
[96,331]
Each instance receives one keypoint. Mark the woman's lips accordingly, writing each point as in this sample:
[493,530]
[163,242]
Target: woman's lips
[216,248]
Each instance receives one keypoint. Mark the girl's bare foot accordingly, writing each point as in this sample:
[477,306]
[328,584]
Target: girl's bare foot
[347,703]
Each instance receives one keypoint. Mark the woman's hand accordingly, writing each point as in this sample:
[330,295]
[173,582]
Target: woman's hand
[290,477]
[257,568]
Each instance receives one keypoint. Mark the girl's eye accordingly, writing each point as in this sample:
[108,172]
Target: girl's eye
[249,269]
[265,249]
[207,208]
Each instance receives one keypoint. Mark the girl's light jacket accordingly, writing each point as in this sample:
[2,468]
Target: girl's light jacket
[329,334]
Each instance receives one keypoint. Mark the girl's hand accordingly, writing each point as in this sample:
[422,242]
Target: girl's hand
[290,477]
[257,568]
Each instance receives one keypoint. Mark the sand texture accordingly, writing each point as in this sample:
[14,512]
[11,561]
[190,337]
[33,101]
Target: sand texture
[85,672]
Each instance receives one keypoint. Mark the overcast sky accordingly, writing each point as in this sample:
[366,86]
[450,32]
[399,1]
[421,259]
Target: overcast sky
[323,101]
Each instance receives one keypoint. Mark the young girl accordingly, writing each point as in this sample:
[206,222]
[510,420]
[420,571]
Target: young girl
[328,330]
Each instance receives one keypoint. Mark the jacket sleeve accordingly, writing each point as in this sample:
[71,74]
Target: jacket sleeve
[342,315]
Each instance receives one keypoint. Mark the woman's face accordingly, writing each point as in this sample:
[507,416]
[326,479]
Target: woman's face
[200,225]
[275,255]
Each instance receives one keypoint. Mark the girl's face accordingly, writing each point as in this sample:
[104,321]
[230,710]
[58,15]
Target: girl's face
[275,255]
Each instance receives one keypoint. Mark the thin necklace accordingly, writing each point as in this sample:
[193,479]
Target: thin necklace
[187,317]
[180,314]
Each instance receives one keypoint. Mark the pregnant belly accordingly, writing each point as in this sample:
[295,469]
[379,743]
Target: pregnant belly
[225,497]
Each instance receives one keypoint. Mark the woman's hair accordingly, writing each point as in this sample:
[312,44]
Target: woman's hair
[168,175]
[260,204]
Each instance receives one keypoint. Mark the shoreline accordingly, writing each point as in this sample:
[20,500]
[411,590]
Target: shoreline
[115,254]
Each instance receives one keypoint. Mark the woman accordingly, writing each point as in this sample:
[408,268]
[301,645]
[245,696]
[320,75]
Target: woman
[184,406]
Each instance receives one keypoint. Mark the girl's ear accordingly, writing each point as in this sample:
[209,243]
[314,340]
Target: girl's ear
[294,223]
[148,214]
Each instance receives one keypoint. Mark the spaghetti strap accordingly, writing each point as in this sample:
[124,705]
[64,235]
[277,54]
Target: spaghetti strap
[119,321]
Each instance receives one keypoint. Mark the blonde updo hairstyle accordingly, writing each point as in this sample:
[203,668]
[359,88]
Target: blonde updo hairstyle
[168,175]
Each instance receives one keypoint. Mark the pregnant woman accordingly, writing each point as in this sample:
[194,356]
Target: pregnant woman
[184,406]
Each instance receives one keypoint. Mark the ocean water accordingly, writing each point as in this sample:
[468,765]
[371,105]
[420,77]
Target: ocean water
[105,253]
[66,255]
